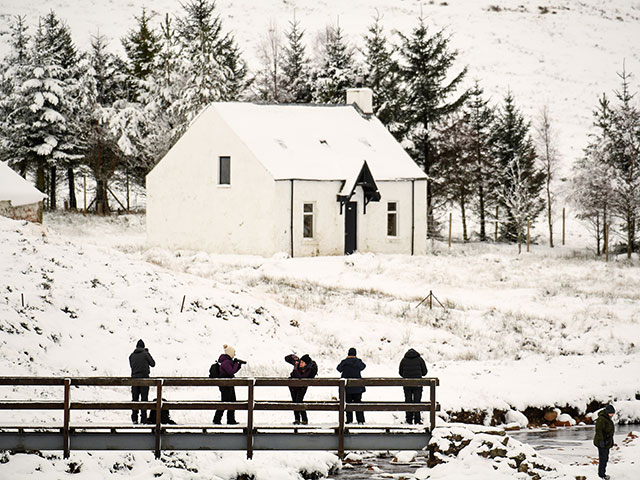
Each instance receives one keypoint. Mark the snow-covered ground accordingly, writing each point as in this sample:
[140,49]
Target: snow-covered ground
[560,54]
[550,328]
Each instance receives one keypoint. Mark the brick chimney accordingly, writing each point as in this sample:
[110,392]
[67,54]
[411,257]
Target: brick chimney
[362,97]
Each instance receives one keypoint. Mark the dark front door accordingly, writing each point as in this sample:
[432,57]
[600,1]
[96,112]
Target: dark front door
[350,228]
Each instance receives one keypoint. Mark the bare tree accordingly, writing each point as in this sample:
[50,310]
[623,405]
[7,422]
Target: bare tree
[270,54]
[547,152]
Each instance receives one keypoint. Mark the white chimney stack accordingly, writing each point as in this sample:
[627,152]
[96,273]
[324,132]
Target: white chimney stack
[362,97]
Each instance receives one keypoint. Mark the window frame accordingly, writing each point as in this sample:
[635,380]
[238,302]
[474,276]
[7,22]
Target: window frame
[220,178]
[393,213]
[311,214]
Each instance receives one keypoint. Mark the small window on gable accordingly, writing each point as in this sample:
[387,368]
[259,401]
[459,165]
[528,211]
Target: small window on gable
[307,220]
[224,171]
[392,219]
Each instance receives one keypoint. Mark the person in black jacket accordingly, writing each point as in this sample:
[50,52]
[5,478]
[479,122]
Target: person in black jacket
[351,367]
[412,366]
[303,367]
[140,361]
[603,438]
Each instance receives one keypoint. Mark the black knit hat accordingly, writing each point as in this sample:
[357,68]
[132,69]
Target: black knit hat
[305,358]
[140,344]
[609,409]
[352,352]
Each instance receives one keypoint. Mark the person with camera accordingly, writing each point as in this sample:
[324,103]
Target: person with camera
[303,367]
[229,366]
[140,361]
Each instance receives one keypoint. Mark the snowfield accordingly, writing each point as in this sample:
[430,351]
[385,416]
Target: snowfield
[553,328]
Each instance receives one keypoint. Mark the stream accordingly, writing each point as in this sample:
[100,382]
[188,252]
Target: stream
[570,446]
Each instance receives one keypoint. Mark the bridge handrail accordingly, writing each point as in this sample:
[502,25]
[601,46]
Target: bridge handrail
[250,405]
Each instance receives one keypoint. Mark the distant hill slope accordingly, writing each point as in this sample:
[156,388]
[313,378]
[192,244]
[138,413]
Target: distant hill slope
[563,54]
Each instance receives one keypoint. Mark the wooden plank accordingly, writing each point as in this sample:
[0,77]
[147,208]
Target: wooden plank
[317,406]
[67,416]
[342,399]
[432,419]
[158,449]
[250,410]
[28,405]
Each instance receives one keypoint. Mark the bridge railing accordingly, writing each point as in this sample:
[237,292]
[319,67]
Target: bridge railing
[251,405]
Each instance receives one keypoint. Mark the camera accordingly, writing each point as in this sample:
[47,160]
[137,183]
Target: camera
[240,362]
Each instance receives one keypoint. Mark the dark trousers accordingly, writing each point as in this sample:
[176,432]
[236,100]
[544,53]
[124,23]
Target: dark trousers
[413,395]
[354,398]
[139,394]
[603,458]
[297,395]
[227,394]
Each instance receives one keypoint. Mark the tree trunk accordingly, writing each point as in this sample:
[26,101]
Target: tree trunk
[549,210]
[483,231]
[465,238]
[40,175]
[629,233]
[598,234]
[52,187]
[73,203]
[102,200]
[519,240]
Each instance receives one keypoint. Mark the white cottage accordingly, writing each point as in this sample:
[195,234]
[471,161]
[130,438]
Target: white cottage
[301,179]
[18,198]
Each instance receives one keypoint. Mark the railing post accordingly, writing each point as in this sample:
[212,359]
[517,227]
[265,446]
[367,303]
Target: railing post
[158,418]
[250,409]
[66,449]
[341,409]
[432,408]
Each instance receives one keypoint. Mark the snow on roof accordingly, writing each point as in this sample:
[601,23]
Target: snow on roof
[318,142]
[16,189]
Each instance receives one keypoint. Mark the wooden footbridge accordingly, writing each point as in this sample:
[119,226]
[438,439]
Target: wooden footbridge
[250,436]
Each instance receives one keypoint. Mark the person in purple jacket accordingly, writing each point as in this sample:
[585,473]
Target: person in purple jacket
[303,367]
[229,366]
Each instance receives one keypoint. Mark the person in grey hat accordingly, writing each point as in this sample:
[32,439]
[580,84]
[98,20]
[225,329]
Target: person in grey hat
[140,361]
[603,438]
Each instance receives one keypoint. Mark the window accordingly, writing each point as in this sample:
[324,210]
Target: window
[392,219]
[224,174]
[307,220]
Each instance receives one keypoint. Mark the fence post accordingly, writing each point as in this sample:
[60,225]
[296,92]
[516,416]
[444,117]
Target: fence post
[250,409]
[450,220]
[528,234]
[67,416]
[432,408]
[341,410]
[158,418]
[563,225]
[430,299]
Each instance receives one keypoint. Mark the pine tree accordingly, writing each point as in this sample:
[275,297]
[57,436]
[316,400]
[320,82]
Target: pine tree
[520,180]
[431,94]
[295,67]
[141,44]
[381,74]
[210,60]
[336,70]
[624,154]
[479,117]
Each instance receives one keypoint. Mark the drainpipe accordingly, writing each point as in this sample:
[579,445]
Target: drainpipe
[413,207]
[291,220]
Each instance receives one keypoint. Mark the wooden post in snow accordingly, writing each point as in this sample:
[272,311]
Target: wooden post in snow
[85,195]
[563,225]
[450,219]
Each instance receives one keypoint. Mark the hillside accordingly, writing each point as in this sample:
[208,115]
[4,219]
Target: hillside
[563,54]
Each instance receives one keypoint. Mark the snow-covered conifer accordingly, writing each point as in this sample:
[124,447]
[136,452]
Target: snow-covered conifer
[295,66]
[431,92]
[335,70]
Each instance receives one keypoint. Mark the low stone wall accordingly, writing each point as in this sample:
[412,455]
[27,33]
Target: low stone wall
[31,212]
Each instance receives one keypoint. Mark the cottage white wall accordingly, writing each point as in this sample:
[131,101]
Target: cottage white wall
[328,224]
[188,209]
[372,226]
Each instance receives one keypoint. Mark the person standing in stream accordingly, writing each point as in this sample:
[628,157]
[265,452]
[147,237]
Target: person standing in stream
[603,438]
